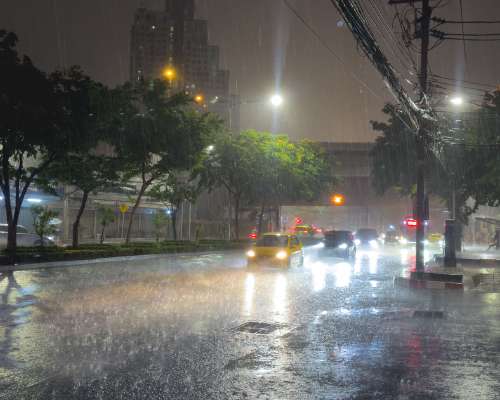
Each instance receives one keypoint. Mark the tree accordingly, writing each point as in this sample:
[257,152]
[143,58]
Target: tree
[39,120]
[162,135]
[106,216]
[480,134]
[42,222]
[289,172]
[265,169]
[172,190]
[85,168]
[230,162]
[457,168]
[160,222]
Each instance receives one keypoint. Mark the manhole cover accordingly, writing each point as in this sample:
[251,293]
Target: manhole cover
[428,314]
[262,328]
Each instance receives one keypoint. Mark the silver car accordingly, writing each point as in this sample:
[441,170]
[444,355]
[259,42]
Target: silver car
[24,238]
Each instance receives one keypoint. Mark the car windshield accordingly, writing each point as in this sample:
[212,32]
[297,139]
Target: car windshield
[366,234]
[272,241]
[338,236]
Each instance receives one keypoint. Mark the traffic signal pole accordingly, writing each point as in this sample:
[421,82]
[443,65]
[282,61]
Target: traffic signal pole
[420,140]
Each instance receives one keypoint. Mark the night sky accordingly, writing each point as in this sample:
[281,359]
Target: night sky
[264,46]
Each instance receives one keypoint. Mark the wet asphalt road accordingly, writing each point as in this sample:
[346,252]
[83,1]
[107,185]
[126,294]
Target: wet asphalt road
[173,328]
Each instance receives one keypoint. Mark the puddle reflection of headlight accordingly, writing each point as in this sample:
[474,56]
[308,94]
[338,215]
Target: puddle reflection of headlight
[250,253]
[373,244]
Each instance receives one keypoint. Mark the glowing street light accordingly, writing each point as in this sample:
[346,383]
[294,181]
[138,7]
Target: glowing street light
[199,98]
[457,101]
[276,100]
[169,73]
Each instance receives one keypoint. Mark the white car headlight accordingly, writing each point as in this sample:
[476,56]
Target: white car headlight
[374,244]
[343,246]
[250,253]
[426,242]
[403,241]
[357,242]
[281,255]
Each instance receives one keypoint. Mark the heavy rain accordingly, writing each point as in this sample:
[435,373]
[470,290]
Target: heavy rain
[233,199]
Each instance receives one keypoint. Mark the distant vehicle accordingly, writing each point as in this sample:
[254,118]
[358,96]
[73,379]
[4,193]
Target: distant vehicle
[277,249]
[392,237]
[366,237]
[24,238]
[435,239]
[341,243]
[304,230]
[253,234]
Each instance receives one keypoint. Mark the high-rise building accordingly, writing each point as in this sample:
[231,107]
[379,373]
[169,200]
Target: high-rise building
[173,44]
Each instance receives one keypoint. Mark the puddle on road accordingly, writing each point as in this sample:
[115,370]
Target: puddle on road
[260,328]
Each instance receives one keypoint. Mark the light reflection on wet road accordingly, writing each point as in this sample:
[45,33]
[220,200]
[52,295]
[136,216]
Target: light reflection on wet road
[167,329]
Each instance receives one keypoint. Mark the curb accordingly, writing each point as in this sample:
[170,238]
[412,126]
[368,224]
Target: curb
[104,260]
[473,261]
[423,284]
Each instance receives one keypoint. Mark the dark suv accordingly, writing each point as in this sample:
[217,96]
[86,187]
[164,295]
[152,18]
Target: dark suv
[340,242]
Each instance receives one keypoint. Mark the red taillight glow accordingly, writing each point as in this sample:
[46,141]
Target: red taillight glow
[252,236]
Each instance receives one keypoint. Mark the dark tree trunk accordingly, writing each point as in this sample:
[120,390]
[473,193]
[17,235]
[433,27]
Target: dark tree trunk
[134,209]
[174,223]
[237,217]
[278,219]
[12,233]
[101,241]
[261,218]
[76,224]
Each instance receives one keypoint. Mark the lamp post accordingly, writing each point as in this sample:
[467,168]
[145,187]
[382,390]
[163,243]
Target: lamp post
[276,101]
[450,258]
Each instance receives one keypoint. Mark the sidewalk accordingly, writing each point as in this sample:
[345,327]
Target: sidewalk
[480,268]
[476,255]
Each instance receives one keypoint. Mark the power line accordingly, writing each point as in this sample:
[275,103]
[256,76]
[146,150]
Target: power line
[443,35]
[403,50]
[464,81]
[355,18]
[327,47]
[467,34]
[444,21]
[463,35]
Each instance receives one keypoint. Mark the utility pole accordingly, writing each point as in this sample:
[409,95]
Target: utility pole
[423,34]
[422,133]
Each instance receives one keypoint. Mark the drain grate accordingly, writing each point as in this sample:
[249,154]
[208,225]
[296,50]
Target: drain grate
[262,328]
[428,314]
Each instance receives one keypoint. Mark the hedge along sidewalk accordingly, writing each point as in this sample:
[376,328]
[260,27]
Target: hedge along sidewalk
[32,258]
[105,260]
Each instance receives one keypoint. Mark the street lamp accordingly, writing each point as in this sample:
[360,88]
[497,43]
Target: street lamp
[199,98]
[457,101]
[276,100]
[169,73]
